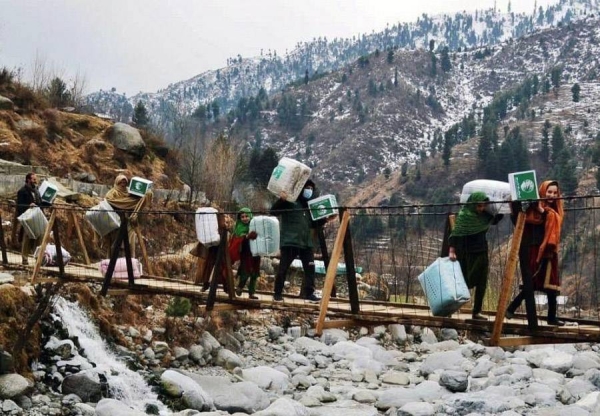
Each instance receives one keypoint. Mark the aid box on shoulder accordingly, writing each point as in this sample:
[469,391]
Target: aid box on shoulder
[207,226]
[322,207]
[523,185]
[48,192]
[289,176]
[139,186]
[498,192]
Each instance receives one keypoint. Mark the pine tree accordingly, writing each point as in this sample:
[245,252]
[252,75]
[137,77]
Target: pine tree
[555,76]
[575,90]
[306,77]
[447,150]
[535,85]
[545,148]
[445,63]
[396,77]
[564,171]
[140,115]
[216,110]
[390,56]
[57,93]
[558,142]
[433,65]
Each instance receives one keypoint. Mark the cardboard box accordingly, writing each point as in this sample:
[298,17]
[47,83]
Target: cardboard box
[322,207]
[289,176]
[139,186]
[48,192]
[523,185]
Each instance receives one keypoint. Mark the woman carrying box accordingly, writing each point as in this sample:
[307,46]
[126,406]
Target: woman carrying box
[468,244]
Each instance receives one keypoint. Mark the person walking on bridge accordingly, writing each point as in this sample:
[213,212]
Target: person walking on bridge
[120,199]
[538,252]
[239,250]
[296,240]
[28,197]
[468,244]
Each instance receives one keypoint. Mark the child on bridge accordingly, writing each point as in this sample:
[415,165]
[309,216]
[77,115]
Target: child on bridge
[239,249]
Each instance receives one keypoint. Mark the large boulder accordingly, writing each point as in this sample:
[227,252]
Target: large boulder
[6,103]
[127,138]
[245,397]
[267,378]
[181,386]
[284,407]
[85,384]
[13,385]
[112,407]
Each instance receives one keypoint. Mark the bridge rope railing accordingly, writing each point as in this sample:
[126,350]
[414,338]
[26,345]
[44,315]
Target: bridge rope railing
[390,245]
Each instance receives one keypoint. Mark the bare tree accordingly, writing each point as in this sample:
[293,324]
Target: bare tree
[192,162]
[222,168]
[77,88]
[40,73]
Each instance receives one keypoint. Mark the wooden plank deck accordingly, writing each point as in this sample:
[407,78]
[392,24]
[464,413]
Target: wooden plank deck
[374,313]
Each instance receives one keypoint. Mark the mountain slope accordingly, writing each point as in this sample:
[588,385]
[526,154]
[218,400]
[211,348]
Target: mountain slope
[245,76]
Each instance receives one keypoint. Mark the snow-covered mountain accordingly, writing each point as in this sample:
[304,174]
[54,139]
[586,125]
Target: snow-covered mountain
[242,77]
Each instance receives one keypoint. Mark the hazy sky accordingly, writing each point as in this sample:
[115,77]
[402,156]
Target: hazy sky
[143,45]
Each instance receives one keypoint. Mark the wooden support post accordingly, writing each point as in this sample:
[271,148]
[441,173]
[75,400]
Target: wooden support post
[450,220]
[140,238]
[331,271]
[508,278]
[228,271]
[217,272]
[80,237]
[127,250]
[38,261]
[350,270]
[3,243]
[59,257]
[325,255]
[115,255]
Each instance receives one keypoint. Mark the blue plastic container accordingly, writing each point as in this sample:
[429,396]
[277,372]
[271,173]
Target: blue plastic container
[444,286]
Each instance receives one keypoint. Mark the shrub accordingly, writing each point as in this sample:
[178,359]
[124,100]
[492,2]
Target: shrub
[53,122]
[178,307]
[6,77]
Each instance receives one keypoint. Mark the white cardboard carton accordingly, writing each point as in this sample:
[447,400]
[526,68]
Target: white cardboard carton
[207,226]
[139,186]
[523,185]
[34,222]
[267,231]
[48,192]
[103,218]
[322,207]
[289,176]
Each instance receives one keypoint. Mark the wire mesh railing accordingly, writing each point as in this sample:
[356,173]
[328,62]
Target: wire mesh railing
[391,246]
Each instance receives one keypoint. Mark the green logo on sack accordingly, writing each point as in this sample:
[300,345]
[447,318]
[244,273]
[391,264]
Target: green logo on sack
[278,171]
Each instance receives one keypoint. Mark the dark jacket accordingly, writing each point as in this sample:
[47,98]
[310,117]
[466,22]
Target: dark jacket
[296,225]
[27,196]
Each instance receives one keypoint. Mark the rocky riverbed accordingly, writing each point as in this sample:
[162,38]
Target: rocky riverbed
[258,367]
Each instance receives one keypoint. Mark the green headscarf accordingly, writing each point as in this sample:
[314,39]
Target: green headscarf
[241,228]
[468,221]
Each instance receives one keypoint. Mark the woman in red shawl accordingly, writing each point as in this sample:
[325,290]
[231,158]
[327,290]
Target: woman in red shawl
[538,253]
[239,249]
